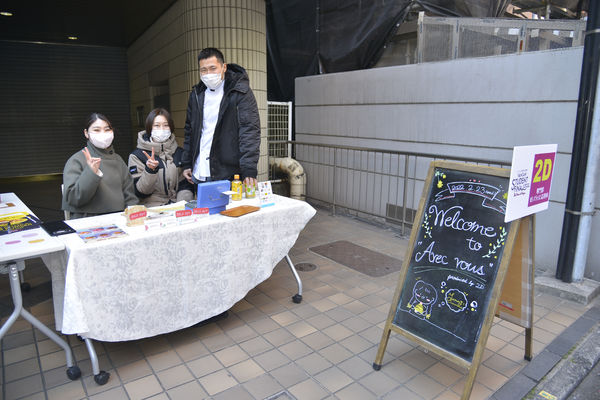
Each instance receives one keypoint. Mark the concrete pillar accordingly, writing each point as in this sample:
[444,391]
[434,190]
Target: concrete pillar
[169,50]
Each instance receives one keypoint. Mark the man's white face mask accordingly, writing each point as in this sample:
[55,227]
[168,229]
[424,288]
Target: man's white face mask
[212,81]
[212,72]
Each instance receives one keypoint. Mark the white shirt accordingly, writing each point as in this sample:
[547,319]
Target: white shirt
[212,102]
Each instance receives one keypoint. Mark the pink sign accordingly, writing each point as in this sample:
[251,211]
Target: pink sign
[136,215]
[183,213]
[543,165]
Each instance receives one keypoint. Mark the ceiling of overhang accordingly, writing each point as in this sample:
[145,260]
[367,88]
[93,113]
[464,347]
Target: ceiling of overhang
[120,22]
[100,22]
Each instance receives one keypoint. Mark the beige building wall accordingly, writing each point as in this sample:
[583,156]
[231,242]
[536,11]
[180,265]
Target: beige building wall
[164,58]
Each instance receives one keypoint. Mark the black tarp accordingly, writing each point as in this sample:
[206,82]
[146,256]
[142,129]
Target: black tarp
[308,37]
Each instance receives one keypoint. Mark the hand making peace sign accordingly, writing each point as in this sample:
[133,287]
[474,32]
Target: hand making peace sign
[93,162]
[151,162]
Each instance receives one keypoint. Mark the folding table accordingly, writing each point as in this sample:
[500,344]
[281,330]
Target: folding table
[147,283]
[15,248]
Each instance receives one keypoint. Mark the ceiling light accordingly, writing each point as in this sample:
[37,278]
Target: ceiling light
[6,13]
[72,37]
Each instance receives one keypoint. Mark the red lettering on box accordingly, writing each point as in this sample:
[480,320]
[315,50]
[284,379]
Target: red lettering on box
[136,215]
[183,213]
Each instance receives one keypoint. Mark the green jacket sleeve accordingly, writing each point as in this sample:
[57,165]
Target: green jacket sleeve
[80,182]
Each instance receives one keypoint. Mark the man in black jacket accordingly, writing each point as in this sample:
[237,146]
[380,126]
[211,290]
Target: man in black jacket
[222,126]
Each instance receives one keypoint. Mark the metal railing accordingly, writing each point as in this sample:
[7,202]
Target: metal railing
[279,128]
[384,185]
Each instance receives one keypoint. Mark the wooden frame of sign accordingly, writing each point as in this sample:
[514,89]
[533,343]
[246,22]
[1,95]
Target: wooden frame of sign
[458,255]
[516,300]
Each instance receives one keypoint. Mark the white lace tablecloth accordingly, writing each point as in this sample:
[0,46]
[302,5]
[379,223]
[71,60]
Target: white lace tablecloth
[154,282]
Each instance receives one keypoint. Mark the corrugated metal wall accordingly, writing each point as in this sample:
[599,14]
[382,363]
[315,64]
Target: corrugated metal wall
[470,107]
[47,92]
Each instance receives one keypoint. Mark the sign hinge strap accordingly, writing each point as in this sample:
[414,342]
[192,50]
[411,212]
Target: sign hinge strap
[592,213]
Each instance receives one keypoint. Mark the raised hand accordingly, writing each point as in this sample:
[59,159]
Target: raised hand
[151,162]
[92,162]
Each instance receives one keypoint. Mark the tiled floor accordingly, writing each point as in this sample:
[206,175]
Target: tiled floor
[322,348]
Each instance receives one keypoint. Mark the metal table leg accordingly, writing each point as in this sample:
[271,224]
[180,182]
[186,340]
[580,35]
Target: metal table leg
[12,269]
[100,377]
[297,298]
[25,286]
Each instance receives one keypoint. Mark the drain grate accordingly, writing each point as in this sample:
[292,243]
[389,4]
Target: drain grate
[304,267]
[359,258]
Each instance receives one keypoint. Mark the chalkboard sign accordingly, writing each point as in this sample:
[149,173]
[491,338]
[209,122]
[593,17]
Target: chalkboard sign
[451,279]
[455,260]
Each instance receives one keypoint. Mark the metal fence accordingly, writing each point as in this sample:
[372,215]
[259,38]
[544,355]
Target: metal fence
[279,128]
[444,38]
[377,184]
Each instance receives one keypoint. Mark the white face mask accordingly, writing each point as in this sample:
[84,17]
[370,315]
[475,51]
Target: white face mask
[160,135]
[211,80]
[102,140]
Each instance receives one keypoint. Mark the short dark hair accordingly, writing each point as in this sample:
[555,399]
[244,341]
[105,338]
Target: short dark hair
[94,117]
[211,52]
[155,113]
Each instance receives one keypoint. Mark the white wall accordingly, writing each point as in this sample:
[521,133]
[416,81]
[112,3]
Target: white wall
[479,107]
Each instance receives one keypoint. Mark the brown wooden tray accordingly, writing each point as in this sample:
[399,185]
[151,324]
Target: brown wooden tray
[239,211]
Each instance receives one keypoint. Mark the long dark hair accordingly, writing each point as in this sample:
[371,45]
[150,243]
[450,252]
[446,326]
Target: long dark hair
[94,117]
[155,113]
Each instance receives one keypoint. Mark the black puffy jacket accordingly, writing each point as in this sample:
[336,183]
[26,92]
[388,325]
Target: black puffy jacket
[236,142]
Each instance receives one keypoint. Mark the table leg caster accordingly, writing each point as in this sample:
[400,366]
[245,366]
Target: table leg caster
[102,377]
[376,366]
[297,298]
[73,372]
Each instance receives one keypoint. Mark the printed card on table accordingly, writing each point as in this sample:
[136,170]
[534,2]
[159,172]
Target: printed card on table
[265,194]
[101,233]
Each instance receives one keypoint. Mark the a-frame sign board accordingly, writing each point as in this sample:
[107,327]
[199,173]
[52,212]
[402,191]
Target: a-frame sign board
[516,300]
[458,255]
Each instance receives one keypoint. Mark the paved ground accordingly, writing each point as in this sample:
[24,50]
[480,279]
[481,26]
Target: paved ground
[270,347]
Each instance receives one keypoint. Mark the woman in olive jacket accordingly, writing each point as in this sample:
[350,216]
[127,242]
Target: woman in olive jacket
[156,163]
[96,180]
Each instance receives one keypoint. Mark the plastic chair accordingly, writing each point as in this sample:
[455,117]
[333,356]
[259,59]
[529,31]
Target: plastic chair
[67,213]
